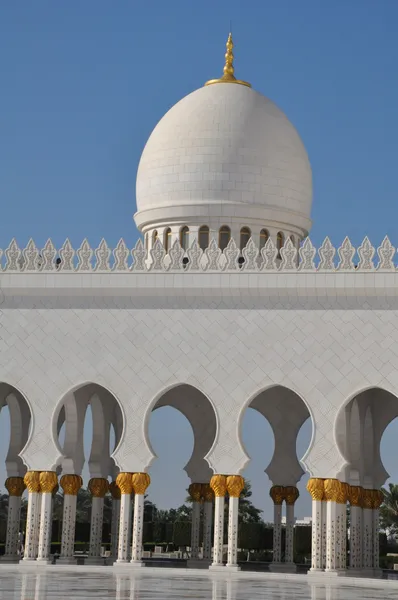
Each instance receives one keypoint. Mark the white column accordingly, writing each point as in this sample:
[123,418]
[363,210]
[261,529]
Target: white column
[140,483]
[218,484]
[377,500]
[48,482]
[235,484]
[98,488]
[195,529]
[15,487]
[115,524]
[32,482]
[333,525]
[233,513]
[124,528]
[341,511]
[207,526]
[316,486]
[136,550]
[289,533]
[71,485]
[277,534]
[367,540]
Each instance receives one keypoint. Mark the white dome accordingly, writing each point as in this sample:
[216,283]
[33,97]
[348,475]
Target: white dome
[224,153]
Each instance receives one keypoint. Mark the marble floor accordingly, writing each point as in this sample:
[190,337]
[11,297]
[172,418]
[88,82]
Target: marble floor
[81,583]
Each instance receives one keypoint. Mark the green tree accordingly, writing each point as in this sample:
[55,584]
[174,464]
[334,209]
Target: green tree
[389,509]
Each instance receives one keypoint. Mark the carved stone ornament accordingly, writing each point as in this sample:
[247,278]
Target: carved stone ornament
[250,254]
[207,493]
[176,254]
[291,495]
[15,486]
[269,254]
[332,490]
[71,484]
[139,256]
[277,493]
[141,482]
[102,255]
[195,254]
[316,488]
[235,485]
[231,254]
[157,254]
[386,253]
[124,482]
[48,253]
[98,487]
[13,257]
[326,253]
[289,256]
[355,493]
[366,253]
[31,257]
[84,254]
[213,255]
[121,254]
[48,481]
[307,254]
[346,254]
[115,490]
[195,491]
[218,484]
[32,481]
[67,255]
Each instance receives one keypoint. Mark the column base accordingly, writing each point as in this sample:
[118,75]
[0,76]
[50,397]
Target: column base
[217,567]
[66,560]
[121,561]
[10,558]
[336,572]
[43,561]
[282,567]
[136,564]
[315,571]
[27,560]
[94,560]
[232,567]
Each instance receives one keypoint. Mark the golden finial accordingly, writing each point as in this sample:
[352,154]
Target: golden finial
[228,76]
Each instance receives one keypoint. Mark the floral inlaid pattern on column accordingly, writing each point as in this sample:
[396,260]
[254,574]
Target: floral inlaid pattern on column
[98,488]
[48,482]
[235,484]
[195,491]
[315,487]
[124,482]
[355,494]
[291,494]
[333,526]
[277,493]
[116,495]
[15,487]
[208,497]
[32,482]
[71,485]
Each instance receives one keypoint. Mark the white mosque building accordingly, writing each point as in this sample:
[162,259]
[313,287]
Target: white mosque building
[224,305]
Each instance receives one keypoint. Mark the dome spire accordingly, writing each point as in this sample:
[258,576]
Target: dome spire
[228,76]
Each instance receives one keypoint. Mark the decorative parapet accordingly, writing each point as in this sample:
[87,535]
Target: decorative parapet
[85,259]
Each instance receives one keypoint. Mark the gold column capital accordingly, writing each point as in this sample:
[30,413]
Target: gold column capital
[98,487]
[71,484]
[140,482]
[115,490]
[355,495]
[235,485]
[207,493]
[218,484]
[195,491]
[15,486]
[342,495]
[291,494]
[277,493]
[332,490]
[48,481]
[367,498]
[124,482]
[32,481]
[316,487]
[377,498]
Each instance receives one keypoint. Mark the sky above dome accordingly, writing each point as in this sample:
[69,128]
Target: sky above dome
[84,84]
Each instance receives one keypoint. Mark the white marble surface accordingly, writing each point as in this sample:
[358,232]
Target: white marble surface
[151,584]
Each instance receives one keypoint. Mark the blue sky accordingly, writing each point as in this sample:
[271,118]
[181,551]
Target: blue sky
[83,85]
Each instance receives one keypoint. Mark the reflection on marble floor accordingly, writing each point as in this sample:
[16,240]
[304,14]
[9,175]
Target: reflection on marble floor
[140,586]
